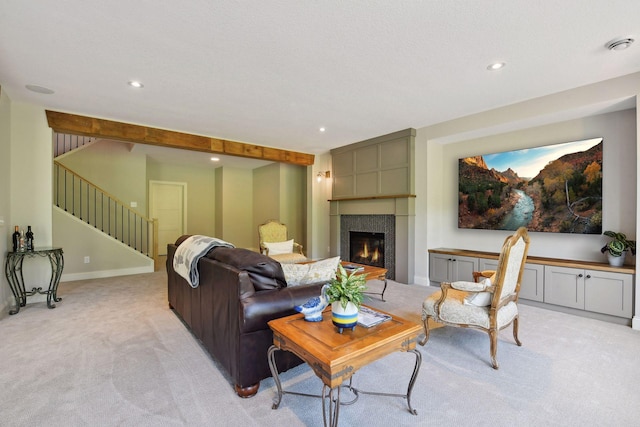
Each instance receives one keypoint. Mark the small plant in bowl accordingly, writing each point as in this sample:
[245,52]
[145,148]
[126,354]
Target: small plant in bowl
[617,248]
[345,294]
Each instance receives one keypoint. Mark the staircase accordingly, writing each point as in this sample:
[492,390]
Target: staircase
[96,207]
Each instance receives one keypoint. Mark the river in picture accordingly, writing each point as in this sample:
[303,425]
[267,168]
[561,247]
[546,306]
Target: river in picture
[520,215]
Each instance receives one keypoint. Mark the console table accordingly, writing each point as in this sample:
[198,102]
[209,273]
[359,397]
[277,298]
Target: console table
[13,271]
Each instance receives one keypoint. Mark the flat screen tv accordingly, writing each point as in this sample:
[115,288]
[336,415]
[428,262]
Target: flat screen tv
[554,188]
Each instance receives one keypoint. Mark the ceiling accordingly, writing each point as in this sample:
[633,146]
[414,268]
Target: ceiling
[273,72]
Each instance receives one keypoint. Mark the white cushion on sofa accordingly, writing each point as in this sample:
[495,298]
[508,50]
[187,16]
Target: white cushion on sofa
[304,274]
[321,271]
[294,273]
[277,248]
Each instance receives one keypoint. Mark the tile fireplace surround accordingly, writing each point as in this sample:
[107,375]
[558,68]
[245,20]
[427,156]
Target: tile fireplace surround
[393,216]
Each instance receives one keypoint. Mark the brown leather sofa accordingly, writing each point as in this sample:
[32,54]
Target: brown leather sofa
[239,292]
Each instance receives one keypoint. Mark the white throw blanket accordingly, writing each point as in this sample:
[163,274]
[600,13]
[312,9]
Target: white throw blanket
[185,261]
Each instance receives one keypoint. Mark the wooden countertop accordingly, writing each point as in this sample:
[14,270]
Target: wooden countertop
[601,266]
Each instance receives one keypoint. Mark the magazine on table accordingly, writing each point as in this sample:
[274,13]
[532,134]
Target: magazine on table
[353,267]
[368,317]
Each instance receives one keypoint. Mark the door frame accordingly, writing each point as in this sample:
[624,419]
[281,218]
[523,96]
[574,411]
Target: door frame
[153,183]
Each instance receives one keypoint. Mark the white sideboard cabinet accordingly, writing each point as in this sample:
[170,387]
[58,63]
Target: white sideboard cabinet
[578,287]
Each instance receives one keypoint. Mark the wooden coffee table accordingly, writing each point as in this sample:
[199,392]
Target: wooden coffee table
[336,357]
[372,273]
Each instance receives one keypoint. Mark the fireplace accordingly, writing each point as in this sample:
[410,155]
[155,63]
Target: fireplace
[366,248]
[378,231]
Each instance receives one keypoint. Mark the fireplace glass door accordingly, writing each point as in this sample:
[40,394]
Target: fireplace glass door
[366,248]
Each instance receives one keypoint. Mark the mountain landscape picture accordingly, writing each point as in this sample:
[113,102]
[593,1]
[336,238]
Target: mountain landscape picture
[555,188]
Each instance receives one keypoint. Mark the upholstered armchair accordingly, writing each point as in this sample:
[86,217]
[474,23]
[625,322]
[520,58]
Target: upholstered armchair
[275,243]
[490,304]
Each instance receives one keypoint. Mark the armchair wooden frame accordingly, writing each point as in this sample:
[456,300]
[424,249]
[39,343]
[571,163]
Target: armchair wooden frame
[503,292]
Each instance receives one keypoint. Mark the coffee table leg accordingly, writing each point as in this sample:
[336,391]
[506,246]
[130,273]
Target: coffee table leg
[274,374]
[334,405]
[414,376]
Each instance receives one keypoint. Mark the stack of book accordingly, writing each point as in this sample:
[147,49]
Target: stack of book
[368,317]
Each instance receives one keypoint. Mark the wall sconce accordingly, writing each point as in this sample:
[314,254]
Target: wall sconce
[321,175]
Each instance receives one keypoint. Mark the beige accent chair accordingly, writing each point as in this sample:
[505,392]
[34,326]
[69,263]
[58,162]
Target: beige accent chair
[273,231]
[453,305]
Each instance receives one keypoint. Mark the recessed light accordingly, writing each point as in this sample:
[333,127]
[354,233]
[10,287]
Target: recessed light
[322,129]
[619,44]
[40,89]
[215,159]
[496,66]
[136,84]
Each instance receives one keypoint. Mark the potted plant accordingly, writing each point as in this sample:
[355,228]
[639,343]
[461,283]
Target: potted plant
[345,294]
[617,248]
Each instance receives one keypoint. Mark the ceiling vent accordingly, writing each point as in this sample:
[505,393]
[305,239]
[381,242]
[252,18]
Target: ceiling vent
[620,44]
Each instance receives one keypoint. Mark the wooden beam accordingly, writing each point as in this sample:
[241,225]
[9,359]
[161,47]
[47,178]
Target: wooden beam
[90,126]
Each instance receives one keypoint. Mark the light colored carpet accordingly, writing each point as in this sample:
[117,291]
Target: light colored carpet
[113,354]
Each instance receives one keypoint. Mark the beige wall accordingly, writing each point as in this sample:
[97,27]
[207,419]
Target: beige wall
[107,256]
[266,206]
[114,167]
[6,223]
[234,207]
[318,195]
[293,201]
[31,181]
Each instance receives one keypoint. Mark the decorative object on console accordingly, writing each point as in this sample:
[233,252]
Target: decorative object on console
[345,293]
[16,239]
[29,239]
[617,248]
[555,188]
[313,308]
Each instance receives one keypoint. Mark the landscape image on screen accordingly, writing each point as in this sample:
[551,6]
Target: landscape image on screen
[555,188]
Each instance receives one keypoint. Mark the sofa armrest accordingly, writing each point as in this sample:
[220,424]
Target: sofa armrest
[264,306]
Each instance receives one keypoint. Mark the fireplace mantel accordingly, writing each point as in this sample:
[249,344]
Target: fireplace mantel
[398,196]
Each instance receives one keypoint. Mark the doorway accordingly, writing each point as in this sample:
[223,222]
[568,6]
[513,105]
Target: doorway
[168,204]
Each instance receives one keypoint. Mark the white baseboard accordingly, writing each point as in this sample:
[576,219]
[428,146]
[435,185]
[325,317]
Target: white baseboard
[105,273]
[635,323]
[421,280]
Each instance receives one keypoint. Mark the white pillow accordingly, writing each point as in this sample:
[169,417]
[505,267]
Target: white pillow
[480,299]
[294,273]
[277,248]
[321,271]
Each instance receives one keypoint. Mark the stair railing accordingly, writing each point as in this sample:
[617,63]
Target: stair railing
[95,206]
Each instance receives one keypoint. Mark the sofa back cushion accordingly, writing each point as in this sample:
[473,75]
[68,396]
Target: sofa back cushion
[265,273]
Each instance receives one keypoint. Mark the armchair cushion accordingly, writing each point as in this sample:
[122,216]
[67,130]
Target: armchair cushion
[278,248]
[454,311]
[481,299]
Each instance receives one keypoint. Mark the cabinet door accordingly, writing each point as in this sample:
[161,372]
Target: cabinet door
[463,268]
[439,267]
[609,293]
[564,286]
